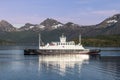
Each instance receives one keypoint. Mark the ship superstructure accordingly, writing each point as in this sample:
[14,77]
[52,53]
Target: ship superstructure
[63,46]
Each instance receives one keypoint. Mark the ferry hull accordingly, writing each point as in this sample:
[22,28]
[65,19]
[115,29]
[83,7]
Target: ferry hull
[68,51]
[43,52]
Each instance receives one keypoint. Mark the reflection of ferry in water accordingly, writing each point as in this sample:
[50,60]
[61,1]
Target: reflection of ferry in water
[63,47]
[64,58]
[63,62]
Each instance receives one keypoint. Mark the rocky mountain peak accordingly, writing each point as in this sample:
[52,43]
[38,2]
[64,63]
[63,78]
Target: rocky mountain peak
[113,19]
[50,23]
[5,26]
[4,23]
[27,26]
[71,25]
[109,21]
[116,16]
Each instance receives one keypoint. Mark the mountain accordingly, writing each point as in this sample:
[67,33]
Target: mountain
[51,29]
[106,27]
[7,27]
[110,21]
[71,25]
[27,26]
[50,24]
[109,26]
[113,25]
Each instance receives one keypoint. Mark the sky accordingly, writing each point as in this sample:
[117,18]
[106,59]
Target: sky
[82,12]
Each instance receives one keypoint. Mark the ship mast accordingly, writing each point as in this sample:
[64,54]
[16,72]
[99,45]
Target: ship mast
[39,39]
[79,39]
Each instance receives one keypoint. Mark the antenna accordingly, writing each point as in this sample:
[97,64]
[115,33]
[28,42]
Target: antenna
[39,39]
[79,38]
[62,34]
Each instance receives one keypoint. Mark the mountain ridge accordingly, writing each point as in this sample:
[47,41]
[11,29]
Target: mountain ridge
[51,24]
[29,32]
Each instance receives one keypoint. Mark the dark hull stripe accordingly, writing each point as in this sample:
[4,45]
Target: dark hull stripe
[34,51]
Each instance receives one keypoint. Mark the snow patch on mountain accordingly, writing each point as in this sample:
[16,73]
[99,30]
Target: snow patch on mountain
[112,21]
[41,26]
[57,26]
[31,27]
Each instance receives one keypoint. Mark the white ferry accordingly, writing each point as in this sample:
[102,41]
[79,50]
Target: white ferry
[63,47]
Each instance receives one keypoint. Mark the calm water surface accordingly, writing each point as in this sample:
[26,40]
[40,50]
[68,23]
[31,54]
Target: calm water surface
[15,66]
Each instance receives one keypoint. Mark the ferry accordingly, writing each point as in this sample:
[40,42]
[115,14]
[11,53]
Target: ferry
[64,47]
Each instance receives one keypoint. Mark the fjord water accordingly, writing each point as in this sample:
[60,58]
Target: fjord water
[16,66]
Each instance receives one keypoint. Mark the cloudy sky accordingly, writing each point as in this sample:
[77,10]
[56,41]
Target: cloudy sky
[83,12]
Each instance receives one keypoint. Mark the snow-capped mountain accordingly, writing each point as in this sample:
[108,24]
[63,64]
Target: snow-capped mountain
[110,25]
[26,27]
[48,24]
[51,24]
[109,21]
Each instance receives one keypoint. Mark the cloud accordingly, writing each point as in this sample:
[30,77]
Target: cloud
[105,12]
